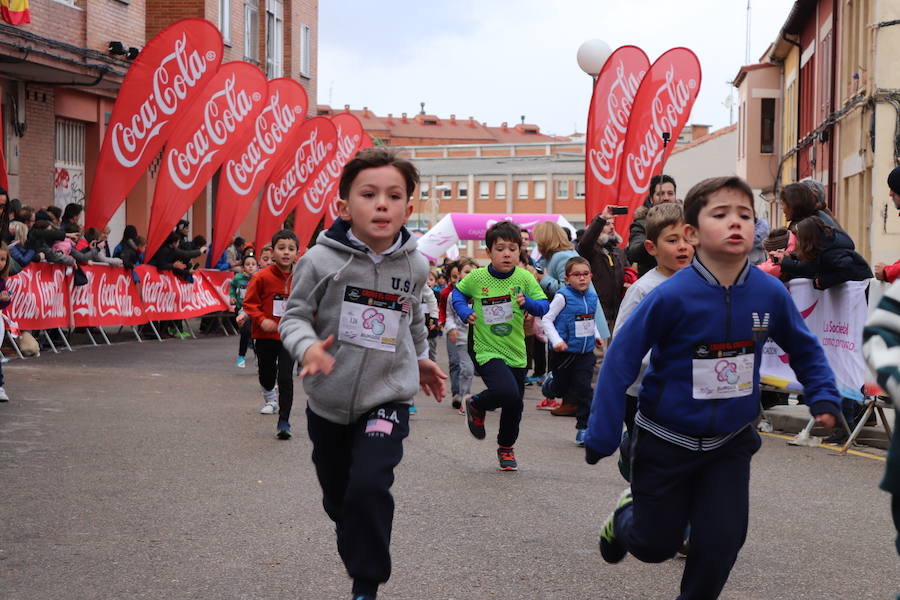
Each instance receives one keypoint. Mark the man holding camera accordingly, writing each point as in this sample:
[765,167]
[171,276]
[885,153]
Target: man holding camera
[600,245]
[662,189]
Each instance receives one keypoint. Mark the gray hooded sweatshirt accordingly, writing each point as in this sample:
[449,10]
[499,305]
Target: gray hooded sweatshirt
[373,311]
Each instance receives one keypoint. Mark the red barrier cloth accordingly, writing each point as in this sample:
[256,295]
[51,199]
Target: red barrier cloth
[220,281]
[40,297]
[109,298]
[168,297]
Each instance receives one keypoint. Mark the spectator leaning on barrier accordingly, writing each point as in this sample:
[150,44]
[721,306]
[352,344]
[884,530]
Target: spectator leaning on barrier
[883,271]
[130,233]
[19,255]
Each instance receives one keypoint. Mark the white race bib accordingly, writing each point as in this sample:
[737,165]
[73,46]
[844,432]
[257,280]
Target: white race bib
[584,325]
[497,310]
[279,303]
[371,319]
[242,291]
[723,370]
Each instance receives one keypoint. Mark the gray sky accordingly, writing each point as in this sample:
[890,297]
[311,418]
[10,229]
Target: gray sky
[499,59]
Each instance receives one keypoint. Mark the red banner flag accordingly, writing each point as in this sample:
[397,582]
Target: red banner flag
[662,104]
[4,179]
[611,104]
[221,119]
[109,298]
[296,177]
[351,139]
[168,297]
[40,297]
[163,81]
[246,171]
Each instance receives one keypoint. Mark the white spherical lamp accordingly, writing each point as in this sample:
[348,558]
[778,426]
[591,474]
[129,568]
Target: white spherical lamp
[592,55]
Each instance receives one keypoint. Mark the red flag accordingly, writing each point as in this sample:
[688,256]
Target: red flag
[4,178]
[15,12]
[662,104]
[611,105]
[162,82]
[248,167]
[351,139]
[221,119]
[296,178]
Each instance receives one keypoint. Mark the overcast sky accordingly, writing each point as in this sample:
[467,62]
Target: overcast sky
[499,59]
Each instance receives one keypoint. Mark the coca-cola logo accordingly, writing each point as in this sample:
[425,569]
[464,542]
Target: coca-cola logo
[603,159]
[110,294]
[307,159]
[223,112]
[194,296]
[38,294]
[158,292]
[669,104]
[346,148]
[177,74]
[272,125]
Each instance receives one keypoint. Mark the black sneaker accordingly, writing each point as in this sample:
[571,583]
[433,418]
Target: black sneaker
[283,431]
[611,550]
[475,420]
[507,458]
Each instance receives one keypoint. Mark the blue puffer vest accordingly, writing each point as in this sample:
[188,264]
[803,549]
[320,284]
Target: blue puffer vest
[580,306]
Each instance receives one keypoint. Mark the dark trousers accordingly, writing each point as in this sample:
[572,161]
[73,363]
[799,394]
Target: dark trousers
[276,364]
[355,466]
[674,486]
[573,375]
[244,343]
[536,352]
[505,390]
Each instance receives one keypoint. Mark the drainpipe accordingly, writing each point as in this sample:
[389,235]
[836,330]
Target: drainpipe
[832,180]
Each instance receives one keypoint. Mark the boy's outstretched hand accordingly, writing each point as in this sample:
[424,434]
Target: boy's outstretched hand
[431,378]
[317,359]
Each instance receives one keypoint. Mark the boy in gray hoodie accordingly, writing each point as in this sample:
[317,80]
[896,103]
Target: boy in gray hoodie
[355,323]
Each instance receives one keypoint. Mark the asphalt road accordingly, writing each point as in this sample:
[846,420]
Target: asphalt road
[145,471]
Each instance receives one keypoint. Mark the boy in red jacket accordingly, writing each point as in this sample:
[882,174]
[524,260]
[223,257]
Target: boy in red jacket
[264,303]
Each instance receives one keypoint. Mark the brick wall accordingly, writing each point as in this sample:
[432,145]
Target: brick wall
[108,20]
[57,21]
[37,149]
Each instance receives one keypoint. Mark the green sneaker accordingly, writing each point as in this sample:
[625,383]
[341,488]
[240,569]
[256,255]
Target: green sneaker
[611,550]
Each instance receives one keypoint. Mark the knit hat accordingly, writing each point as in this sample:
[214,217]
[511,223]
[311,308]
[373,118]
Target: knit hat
[894,180]
[776,240]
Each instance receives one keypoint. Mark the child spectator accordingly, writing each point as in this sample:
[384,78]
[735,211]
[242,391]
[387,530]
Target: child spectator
[265,256]
[5,299]
[92,247]
[458,339]
[128,234]
[824,254]
[694,435]
[451,271]
[357,295]
[574,324]
[40,238]
[501,293]
[237,292]
[132,252]
[19,254]
[170,257]
[779,238]
[668,244]
[265,303]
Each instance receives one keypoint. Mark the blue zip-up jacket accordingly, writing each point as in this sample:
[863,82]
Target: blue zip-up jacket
[579,305]
[689,321]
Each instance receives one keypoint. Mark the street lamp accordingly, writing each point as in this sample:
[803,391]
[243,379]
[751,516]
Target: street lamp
[592,55]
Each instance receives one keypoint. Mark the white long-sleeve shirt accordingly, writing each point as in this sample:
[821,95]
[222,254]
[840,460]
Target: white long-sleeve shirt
[556,306]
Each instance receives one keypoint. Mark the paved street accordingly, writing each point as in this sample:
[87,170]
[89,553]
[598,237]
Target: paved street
[145,471]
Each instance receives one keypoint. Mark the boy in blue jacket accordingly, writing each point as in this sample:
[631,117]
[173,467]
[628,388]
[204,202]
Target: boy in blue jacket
[693,441]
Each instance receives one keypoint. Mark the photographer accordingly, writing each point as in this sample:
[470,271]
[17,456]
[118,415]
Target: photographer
[600,245]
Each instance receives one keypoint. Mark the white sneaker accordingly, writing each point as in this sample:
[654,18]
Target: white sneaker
[3,396]
[269,409]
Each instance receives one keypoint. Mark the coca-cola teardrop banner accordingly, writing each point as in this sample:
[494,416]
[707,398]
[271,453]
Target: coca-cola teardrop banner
[350,139]
[245,172]
[162,82]
[662,104]
[296,181]
[611,105]
[221,119]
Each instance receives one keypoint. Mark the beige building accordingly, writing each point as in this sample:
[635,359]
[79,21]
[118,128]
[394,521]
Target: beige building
[708,156]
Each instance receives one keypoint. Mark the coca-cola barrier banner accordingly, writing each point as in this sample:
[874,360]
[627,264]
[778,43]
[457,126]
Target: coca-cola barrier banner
[350,139]
[109,298]
[607,124]
[167,296]
[244,173]
[163,81]
[299,179]
[221,119]
[220,282]
[662,104]
[40,297]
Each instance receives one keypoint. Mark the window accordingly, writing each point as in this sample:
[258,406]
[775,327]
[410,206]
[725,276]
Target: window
[521,190]
[447,191]
[305,45]
[274,38]
[579,190]
[484,189]
[462,189]
[251,30]
[423,191]
[69,165]
[225,20]
[562,190]
[540,190]
[500,190]
[767,126]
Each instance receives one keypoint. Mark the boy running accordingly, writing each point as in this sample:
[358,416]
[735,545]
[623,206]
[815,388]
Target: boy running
[693,437]
[501,292]
[355,321]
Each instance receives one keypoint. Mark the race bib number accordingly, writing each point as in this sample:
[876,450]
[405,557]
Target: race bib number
[584,325]
[279,303]
[723,370]
[242,292]
[497,310]
[371,319]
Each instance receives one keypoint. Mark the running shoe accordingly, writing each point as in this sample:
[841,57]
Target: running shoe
[270,408]
[507,458]
[547,387]
[475,419]
[611,550]
[457,402]
[283,431]
[412,409]
[547,404]
[3,396]
[241,362]
[579,437]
